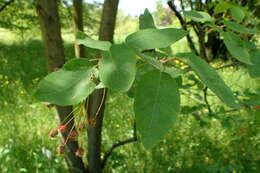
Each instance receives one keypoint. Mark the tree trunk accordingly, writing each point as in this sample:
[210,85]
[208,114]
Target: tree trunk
[97,99]
[47,11]
[108,20]
[78,25]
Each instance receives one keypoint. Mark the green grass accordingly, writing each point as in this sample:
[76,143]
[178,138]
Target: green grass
[229,142]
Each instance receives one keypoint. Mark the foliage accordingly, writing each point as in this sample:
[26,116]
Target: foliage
[192,139]
[117,72]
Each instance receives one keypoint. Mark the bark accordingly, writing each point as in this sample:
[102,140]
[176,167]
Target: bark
[47,11]
[108,20]
[97,99]
[78,25]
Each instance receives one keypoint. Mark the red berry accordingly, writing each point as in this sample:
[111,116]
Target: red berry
[62,128]
[79,152]
[61,149]
[73,135]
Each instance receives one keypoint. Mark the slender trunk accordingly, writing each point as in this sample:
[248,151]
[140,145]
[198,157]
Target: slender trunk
[108,20]
[47,11]
[97,99]
[78,25]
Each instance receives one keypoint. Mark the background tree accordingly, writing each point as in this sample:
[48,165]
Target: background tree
[78,25]
[51,34]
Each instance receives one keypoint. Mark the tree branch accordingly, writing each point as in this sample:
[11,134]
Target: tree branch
[5,5]
[118,144]
[205,91]
[234,64]
[184,26]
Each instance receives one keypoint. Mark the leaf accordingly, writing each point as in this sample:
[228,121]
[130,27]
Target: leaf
[210,77]
[117,67]
[198,16]
[66,87]
[237,12]
[156,106]
[221,7]
[78,64]
[146,20]
[155,38]
[173,72]
[254,70]
[151,60]
[236,47]
[95,44]
[240,28]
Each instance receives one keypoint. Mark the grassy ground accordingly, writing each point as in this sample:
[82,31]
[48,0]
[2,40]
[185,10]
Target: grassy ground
[227,143]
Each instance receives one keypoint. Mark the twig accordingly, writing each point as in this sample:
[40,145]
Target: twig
[5,5]
[118,144]
[234,64]
[229,111]
[184,26]
[205,91]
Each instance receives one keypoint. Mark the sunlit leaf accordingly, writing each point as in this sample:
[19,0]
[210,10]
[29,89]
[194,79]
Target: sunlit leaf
[146,20]
[221,7]
[198,16]
[210,77]
[155,38]
[117,67]
[66,87]
[89,42]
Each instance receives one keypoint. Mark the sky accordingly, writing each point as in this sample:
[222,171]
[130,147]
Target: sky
[134,7]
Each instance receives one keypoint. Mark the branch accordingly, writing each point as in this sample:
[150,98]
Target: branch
[234,64]
[118,144]
[184,26]
[5,5]
[205,91]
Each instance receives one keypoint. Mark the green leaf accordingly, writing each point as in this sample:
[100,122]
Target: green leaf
[156,106]
[210,77]
[240,28]
[173,72]
[155,38]
[117,67]
[198,16]
[151,60]
[221,7]
[78,64]
[237,12]
[66,87]
[236,47]
[146,20]
[95,44]
[254,70]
